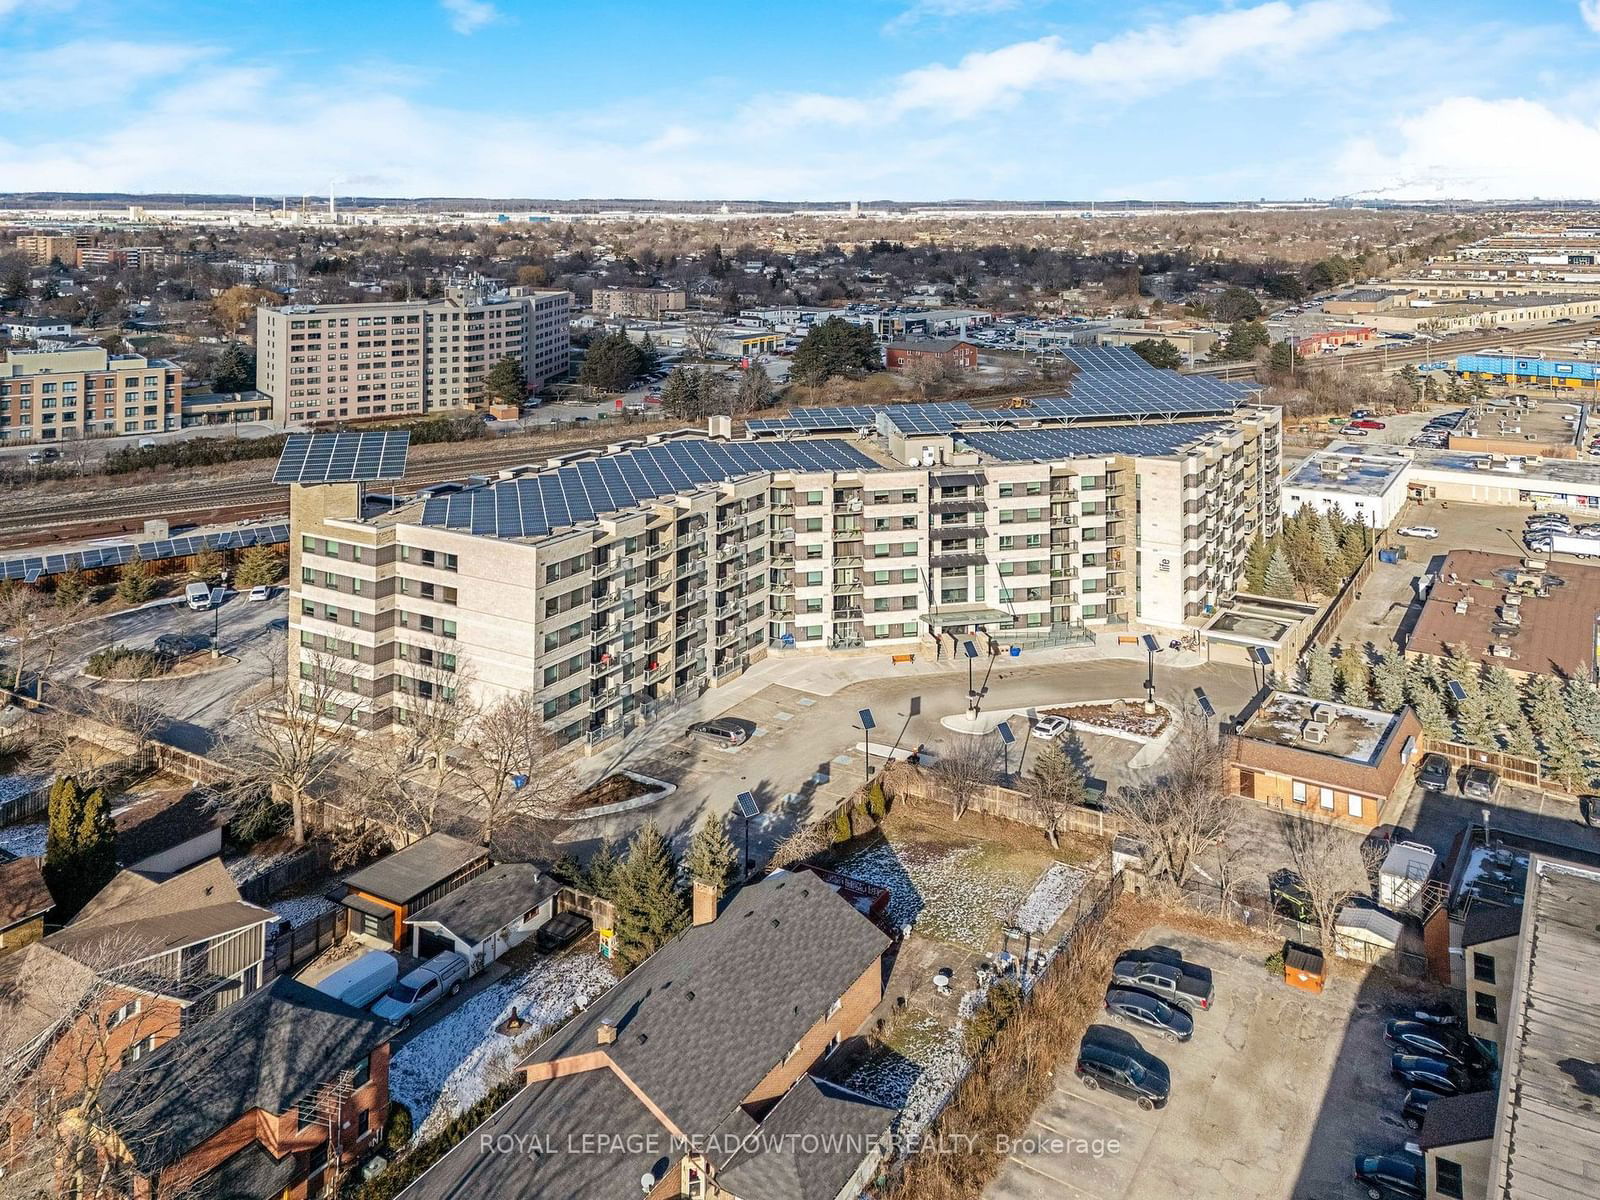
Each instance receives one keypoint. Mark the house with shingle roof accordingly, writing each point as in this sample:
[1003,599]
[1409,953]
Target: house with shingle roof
[24,901]
[696,1070]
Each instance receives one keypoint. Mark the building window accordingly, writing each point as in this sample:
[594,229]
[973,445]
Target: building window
[127,1011]
[1355,804]
[138,1050]
[1325,798]
[1485,1008]
[1482,967]
[1298,791]
[1447,1178]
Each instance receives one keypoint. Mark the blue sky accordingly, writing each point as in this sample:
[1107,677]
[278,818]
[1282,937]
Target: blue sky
[808,99]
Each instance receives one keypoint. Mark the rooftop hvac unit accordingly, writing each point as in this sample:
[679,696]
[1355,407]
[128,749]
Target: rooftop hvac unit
[1322,713]
[1511,616]
[1500,650]
[1314,732]
[1513,599]
[1462,605]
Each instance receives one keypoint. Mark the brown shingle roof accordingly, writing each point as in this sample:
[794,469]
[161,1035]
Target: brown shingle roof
[162,822]
[1556,635]
[23,894]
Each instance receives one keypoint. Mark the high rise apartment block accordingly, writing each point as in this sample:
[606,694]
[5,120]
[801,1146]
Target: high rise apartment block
[330,362]
[57,395]
[611,583]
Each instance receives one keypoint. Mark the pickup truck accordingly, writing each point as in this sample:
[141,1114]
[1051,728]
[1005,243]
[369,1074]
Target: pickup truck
[1180,985]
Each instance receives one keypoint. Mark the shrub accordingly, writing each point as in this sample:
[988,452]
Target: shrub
[1002,1002]
[1274,963]
[425,1153]
[135,584]
[397,1128]
[197,452]
[125,662]
[877,802]
[841,825]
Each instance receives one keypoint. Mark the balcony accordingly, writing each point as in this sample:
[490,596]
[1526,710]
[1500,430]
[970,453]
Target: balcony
[968,505]
[657,673]
[729,524]
[847,560]
[657,582]
[783,507]
[732,667]
[846,587]
[656,611]
[657,549]
[605,733]
[847,506]
[956,533]
[847,613]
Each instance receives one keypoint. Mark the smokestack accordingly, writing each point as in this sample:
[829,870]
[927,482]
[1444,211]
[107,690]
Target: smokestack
[333,210]
[606,1034]
[705,903]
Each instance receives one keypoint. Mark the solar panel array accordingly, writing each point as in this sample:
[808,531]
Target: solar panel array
[1103,358]
[533,505]
[32,567]
[1082,441]
[1127,394]
[342,457]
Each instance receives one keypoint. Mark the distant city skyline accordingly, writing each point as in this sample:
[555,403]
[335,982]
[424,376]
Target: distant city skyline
[885,99]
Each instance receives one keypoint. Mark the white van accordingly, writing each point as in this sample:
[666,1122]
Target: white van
[198,595]
[359,983]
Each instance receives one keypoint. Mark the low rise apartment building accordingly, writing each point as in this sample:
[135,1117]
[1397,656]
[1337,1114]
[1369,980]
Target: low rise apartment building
[334,362]
[650,303]
[612,583]
[42,249]
[80,391]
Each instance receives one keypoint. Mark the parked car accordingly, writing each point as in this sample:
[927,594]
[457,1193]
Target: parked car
[1390,1175]
[1368,423]
[1135,1007]
[1414,1108]
[1430,1074]
[722,730]
[1418,531]
[181,645]
[1048,727]
[421,988]
[1176,985]
[1434,774]
[1125,1071]
[1413,1037]
[261,592]
[1479,783]
[1353,431]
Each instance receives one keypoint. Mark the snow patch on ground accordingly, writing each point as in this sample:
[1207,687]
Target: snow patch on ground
[12,786]
[918,1078]
[450,1065]
[25,841]
[1051,894]
[302,910]
[251,864]
[946,894]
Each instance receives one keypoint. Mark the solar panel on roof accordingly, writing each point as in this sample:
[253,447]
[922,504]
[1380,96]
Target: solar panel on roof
[342,457]
[1029,445]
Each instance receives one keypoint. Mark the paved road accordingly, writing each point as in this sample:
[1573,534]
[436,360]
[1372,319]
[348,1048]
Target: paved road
[801,733]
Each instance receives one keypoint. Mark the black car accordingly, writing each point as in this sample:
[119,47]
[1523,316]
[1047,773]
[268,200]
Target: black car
[1126,1071]
[560,931]
[1135,1007]
[1413,1037]
[180,645]
[1390,1175]
[722,730]
[1431,1074]
[1415,1107]
[1434,774]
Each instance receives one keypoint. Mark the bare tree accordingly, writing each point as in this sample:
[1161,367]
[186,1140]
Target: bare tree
[700,332]
[932,374]
[1333,868]
[134,711]
[290,734]
[1187,808]
[967,765]
[513,766]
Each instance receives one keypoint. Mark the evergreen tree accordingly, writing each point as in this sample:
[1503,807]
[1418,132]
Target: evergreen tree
[1355,679]
[80,845]
[134,582]
[611,364]
[1279,579]
[1352,548]
[601,870]
[1547,713]
[1431,712]
[72,588]
[1255,565]
[96,843]
[504,383]
[651,911]
[1318,672]
[1280,360]
[1389,682]
[206,565]
[235,370]
[649,356]
[1503,700]
[693,393]
[711,858]
[258,566]
[1582,700]
[1474,721]
[834,347]
[1158,352]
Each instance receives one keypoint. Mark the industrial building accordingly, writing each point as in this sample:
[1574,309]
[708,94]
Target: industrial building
[1369,489]
[1527,370]
[610,583]
[334,362]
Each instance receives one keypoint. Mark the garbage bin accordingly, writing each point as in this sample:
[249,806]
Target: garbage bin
[1016,651]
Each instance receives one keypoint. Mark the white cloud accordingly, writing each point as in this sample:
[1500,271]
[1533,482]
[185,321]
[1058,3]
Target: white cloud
[1589,10]
[469,16]
[91,72]
[940,10]
[1448,151]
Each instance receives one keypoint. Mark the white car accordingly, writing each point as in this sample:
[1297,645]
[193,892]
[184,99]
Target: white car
[1418,531]
[1046,728]
[261,593]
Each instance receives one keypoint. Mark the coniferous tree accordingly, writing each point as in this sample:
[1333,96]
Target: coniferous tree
[1355,679]
[134,582]
[651,911]
[601,871]
[80,845]
[834,347]
[1279,579]
[1255,565]
[504,383]
[1389,682]
[711,858]
[1317,668]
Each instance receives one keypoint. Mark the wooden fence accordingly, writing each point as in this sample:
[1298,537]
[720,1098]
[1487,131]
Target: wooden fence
[278,878]
[292,950]
[1513,768]
[996,800]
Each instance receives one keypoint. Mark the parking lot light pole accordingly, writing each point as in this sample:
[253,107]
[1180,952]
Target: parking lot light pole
[971,652]
[867,726]
[1150,648]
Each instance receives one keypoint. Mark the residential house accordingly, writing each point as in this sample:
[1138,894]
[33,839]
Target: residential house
[711,1039]
[1336,762]
[487,915]
[380,897]
[270,1097]
[146,959]
[24,901]
[1456,1141]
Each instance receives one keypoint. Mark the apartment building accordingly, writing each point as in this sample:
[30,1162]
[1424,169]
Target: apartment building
[79,391]
[44,248]
[333,362]
[650,303]
[611,584]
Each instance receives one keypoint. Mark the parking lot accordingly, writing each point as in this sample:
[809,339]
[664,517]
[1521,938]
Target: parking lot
[1273,1097]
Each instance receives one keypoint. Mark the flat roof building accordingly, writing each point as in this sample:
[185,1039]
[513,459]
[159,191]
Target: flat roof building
[76,391]
[650,303]
[1502,612]
[335,362]
[1365,488]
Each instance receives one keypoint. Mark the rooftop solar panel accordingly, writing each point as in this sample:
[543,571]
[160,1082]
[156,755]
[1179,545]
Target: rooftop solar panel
[1029,445]
[1104,358]
[342,457]
[117,553]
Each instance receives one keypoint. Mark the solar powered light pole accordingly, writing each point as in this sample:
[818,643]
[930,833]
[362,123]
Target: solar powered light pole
[216,618]
[1006,738]
[867,726]
[747,808]
[1260,658]
[1151,648]
[971,652]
